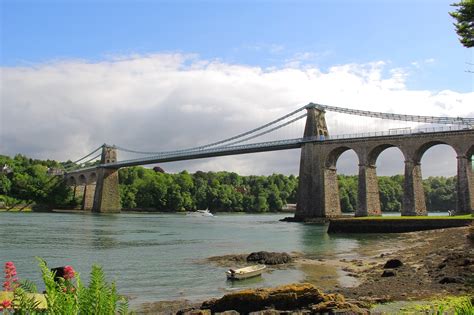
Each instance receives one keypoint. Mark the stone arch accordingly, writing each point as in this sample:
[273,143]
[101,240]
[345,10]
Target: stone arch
[420,151]
[431,201]
[333,156]
[82,179]
[71,181]
[332,196]
[470,153]
[371,201]
[375,152]
[92,178]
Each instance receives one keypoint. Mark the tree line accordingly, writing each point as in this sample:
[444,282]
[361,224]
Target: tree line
[25,180]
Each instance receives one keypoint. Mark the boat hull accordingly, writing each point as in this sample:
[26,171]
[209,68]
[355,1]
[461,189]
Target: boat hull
[245,273]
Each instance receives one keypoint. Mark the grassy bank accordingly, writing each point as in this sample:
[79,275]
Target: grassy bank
[434,217]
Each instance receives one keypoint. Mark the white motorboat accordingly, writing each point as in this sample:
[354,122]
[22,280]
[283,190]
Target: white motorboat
[201,213]
[246,272]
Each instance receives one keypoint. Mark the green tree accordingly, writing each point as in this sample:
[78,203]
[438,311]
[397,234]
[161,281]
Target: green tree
[464,16]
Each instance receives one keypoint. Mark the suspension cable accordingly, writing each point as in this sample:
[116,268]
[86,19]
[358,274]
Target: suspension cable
[89,160]
[266,131]
[221,141]
[75,162]
[415,118]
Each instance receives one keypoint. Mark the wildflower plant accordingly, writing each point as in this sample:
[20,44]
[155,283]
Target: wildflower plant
[64,293]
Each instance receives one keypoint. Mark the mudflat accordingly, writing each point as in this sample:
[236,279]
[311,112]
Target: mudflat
[431,264]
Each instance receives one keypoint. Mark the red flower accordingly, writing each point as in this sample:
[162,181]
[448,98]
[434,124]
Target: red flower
[69,272]
[5,304]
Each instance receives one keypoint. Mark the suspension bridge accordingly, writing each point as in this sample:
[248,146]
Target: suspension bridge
[318,194]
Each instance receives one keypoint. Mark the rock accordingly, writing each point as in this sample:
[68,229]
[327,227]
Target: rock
[269,258]
[441,265]
[451,280]
[194,312]
[389,273]
[284,298]
[333,307]
[232,312]
[300,296]
[393,263]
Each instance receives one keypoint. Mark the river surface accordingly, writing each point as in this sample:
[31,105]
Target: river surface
[156,257]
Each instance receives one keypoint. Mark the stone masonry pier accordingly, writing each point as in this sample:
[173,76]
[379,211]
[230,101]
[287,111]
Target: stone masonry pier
[318,194]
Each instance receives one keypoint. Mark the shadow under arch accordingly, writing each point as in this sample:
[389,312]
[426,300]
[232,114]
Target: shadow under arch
[82,179]
[341,195]
[92,178]
[465,183]
[71,181]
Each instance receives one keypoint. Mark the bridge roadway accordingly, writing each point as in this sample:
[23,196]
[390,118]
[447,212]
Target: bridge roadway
[273,146]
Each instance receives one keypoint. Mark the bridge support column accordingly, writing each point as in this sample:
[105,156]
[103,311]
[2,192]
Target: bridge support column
[107,193]
[317,185]
[464,186]
[414,195]
[88,197]
[332,205]
[368,192]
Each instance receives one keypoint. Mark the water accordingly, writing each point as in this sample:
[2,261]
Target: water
[154,257]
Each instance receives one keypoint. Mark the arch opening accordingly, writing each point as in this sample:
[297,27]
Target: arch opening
[389,162]
[82,179]
[344,162]
[71,181]
[439,172]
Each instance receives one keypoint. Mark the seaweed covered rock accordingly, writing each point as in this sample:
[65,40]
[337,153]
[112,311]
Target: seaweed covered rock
[269,258]
[301,296]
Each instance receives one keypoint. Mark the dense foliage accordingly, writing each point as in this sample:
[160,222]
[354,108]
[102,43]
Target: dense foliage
[218,191]
[26,180]
[152,189]
[464,16]
[223,191]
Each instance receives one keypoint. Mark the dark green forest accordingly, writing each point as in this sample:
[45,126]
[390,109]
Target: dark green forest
[26,180]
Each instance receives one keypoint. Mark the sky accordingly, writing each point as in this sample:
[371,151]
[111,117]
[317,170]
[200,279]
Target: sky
[165,75]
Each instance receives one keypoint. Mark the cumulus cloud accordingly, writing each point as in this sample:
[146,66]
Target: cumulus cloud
[64,109]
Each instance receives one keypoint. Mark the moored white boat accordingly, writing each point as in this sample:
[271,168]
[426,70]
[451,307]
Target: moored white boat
[246,272]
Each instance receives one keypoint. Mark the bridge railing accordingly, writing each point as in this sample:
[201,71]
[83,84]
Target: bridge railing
[396,132]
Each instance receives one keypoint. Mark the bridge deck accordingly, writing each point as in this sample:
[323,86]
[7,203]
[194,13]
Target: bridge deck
[266,147]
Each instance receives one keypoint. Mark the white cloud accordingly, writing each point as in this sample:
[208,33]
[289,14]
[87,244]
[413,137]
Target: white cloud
[63,109]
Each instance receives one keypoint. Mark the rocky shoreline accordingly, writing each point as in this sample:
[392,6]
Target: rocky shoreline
[431,264]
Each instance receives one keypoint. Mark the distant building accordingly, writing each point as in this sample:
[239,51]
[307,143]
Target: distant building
[54,171]
[158,169]
[6,169]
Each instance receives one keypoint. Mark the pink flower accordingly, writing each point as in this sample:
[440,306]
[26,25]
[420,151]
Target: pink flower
[10,273]
[6,285]
[69,272]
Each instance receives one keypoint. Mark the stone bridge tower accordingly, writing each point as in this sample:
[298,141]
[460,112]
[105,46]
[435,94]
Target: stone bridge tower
[107,194]
[311,186]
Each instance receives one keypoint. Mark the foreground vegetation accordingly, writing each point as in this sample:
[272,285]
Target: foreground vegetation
[64,293]
[27,181]
[460,305]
